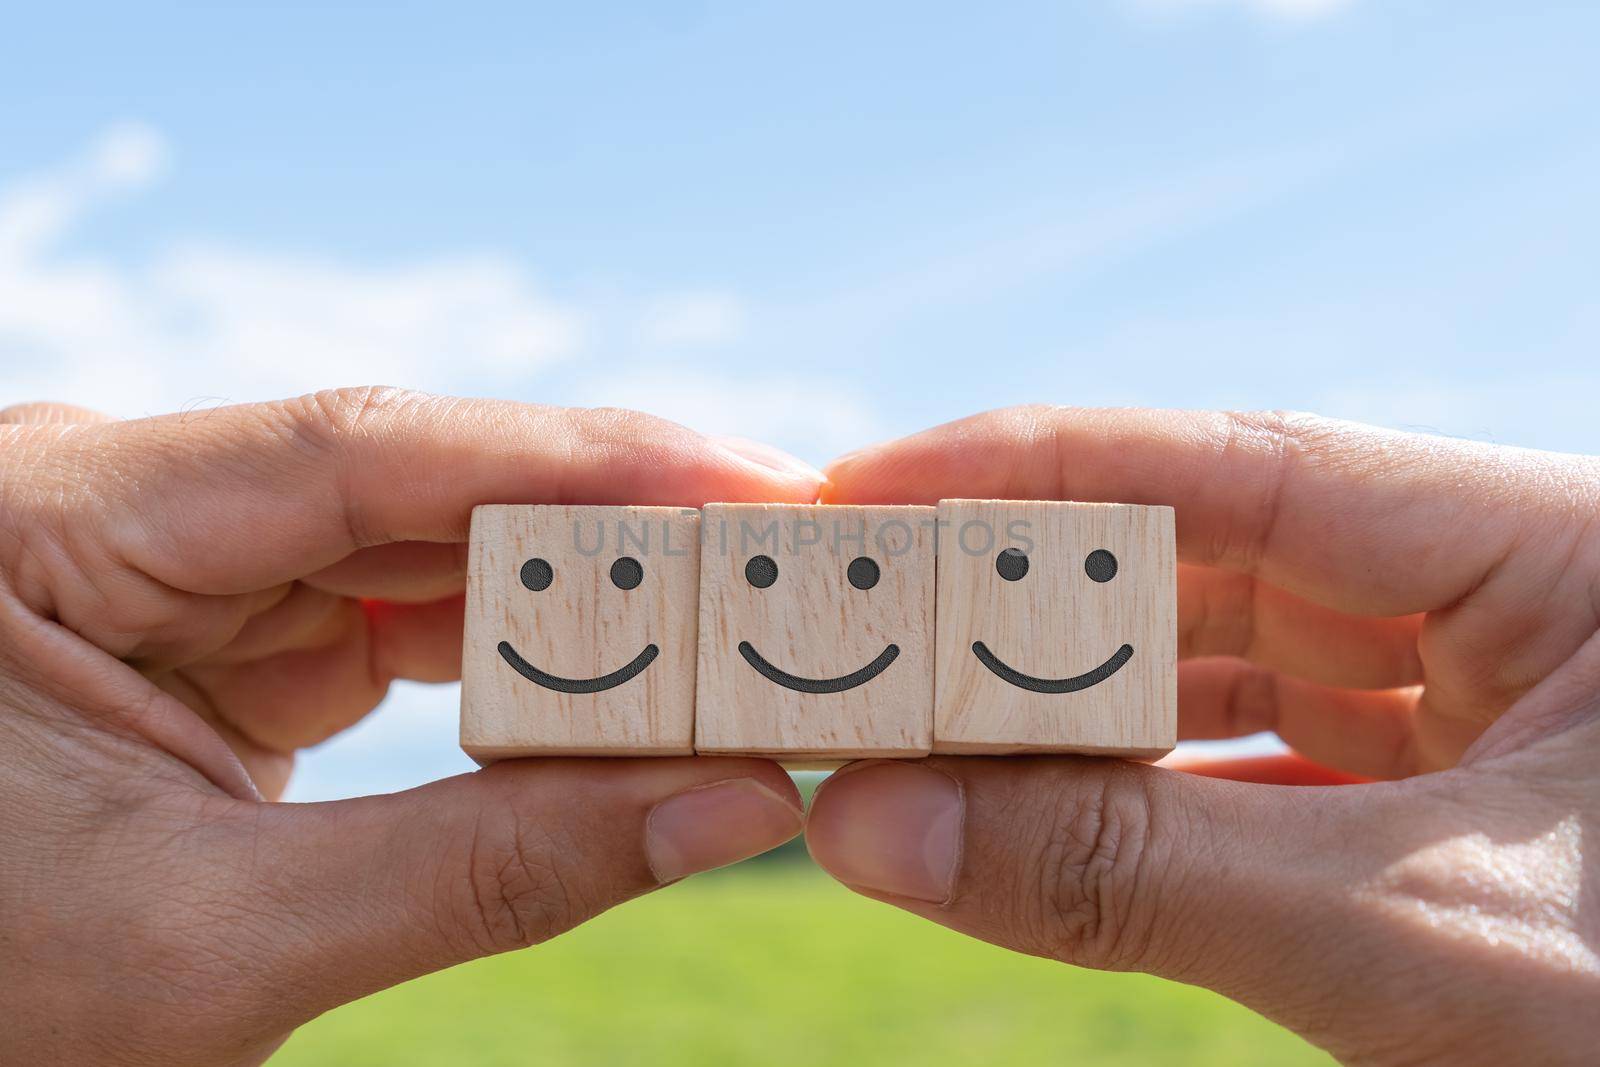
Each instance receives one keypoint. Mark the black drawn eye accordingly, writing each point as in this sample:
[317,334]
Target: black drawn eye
[537,575]
[862,572]
[1100,565]
[627,573]
[1011,564]
[761,571]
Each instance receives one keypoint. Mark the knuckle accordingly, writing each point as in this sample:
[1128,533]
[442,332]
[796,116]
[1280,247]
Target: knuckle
[332,416]
[1088,895]
[326,427]
[521,892]
[1042,425]
[1272,442]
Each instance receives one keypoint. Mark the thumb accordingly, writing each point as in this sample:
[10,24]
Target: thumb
[1236,886]
[370,892]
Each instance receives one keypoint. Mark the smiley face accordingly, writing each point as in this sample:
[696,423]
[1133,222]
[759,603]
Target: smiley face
[761,572]
[538,575]
[816,631]
[580,631]
[1012,565]
[1056,628]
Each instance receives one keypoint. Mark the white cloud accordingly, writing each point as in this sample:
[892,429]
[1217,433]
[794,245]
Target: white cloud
[130,154]
[696,318]
[206,320]
[35,211]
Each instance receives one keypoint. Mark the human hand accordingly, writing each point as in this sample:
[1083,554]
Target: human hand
[187,600]
[1396,607]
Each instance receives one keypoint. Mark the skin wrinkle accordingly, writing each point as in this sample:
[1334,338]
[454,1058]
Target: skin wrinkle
[1142,885]
[335,411]
[1467,618]
[1457,622]
[1559,579]
[1281,443]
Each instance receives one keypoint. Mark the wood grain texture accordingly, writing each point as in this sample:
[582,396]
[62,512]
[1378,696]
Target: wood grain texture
[813,623]
[582,626]
[1056,623]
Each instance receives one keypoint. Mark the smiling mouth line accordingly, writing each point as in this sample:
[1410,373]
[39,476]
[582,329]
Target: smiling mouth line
[1052,685]
[818,685]
[578,685]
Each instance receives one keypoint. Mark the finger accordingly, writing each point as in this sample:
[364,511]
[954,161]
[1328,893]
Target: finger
[768,456]
[300,694]
[1286,769]
[48,413]
[115,699]
[269,769]
[1368,521]
[241,498]
[371,892]
[1246,889]
[408,571]
[416,641]
[1366,732]
[1225,613]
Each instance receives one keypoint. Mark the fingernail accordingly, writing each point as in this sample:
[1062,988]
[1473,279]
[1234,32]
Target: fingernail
[715,825]
[774,459]
[890,827]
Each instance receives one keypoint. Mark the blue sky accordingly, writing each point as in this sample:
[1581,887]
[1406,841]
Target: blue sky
[820,224]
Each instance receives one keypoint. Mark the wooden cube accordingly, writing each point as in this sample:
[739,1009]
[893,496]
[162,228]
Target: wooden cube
[816,631]
[580,631]
[1057,629]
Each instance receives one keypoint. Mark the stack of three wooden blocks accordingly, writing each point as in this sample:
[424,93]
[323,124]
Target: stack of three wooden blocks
[820,632]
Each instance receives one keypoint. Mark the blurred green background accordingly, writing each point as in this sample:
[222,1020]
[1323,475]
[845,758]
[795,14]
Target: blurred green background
[773,962]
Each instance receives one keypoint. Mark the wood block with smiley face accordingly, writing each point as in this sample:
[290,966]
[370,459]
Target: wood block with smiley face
[580,631]
[1057,628]
[816,631]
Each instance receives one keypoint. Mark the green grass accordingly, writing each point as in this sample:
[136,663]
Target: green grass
[773,963]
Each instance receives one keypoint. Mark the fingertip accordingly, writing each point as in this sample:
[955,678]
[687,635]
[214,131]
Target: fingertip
[652,461]
[768,772]
[712,825]
[741,480]
[770,457]
[891,827]
[837,480]
[972,456]
[885,473]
